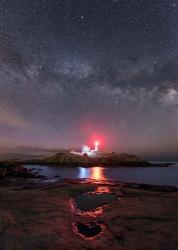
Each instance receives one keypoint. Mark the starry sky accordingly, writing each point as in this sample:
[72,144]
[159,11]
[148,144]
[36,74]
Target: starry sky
[72,71]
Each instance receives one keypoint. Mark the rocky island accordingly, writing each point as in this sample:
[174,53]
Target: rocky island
[14,168]
[106,159]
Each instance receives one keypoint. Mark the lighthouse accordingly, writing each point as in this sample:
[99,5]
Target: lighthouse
[86,150]
[96,145]
[90,152]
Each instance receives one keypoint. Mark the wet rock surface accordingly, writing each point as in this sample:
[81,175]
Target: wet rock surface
[90,205]
[90,201]
[88,230]
[41,217]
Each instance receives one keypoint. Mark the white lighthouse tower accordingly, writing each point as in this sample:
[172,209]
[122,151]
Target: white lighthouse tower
[91,152]
[86,150]
[96,145]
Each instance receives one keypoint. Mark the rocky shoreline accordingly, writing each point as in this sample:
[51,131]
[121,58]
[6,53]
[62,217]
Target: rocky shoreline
[87,214]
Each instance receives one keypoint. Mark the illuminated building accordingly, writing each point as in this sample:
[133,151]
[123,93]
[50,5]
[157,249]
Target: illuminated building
[87,151]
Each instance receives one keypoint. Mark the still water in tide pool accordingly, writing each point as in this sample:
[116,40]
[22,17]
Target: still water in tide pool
[148,175]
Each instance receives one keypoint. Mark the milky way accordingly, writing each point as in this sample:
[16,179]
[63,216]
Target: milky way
[73,70]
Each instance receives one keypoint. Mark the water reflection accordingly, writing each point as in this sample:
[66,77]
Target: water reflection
[148,175]
[96,173]
[102,189]
[83,173]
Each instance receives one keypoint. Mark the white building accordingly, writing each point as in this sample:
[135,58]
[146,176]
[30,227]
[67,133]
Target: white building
[86,150]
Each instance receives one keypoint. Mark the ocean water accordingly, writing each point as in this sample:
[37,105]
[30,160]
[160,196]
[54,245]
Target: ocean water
[147,175]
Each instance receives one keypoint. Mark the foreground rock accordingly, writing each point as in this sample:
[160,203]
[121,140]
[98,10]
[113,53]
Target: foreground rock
[14,169]
[142,217]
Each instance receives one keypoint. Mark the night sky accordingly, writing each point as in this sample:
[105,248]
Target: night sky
[72,71]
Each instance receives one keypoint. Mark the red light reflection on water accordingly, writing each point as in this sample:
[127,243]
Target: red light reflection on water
[102,189]
[97,173]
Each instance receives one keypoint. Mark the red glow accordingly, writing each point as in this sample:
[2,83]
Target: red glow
[97,139]
[94,132]
[97,143]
